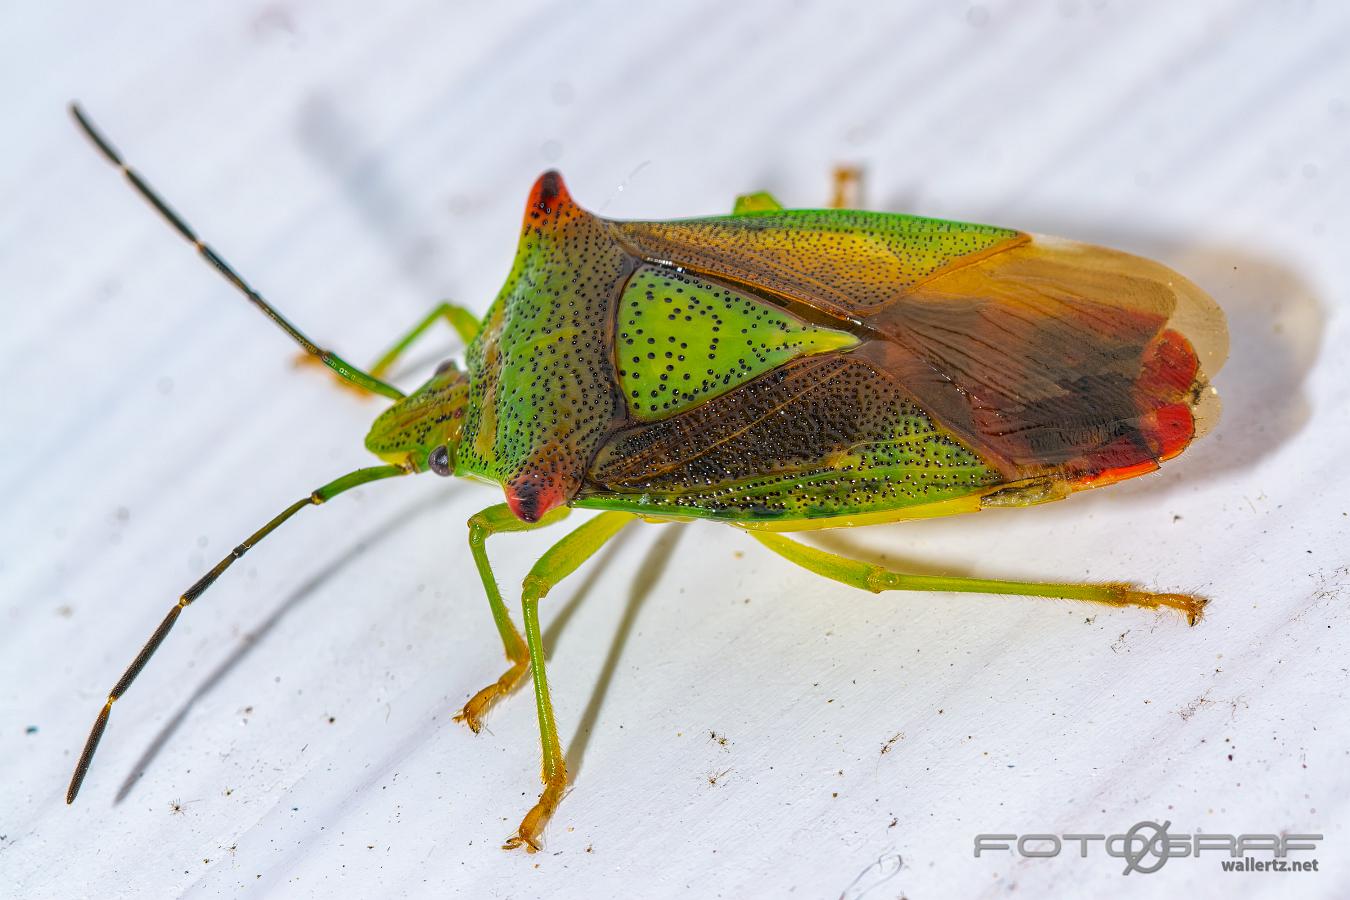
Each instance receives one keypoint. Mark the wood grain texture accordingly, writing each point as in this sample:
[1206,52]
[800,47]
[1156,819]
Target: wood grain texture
[293,738]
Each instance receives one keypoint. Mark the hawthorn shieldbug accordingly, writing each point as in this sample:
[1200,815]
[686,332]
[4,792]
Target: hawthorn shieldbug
[777,370]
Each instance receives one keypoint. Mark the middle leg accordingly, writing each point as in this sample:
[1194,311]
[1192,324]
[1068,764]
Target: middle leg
[561,560]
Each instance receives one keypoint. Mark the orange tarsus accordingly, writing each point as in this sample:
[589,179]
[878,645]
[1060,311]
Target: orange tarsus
[847,187]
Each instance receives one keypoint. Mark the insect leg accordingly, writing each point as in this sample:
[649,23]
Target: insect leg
[760,201]
[495,520]
[344,369]
[847,193]
[464,322]
[320,495]
[876,578]
[561,560]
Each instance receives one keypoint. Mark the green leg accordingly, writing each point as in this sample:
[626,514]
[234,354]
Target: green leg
[761,201]
[495,520]
[875,578]
[561,560]
[464,322]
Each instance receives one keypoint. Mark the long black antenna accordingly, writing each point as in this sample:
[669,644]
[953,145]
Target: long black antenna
[320,495]
[344,369]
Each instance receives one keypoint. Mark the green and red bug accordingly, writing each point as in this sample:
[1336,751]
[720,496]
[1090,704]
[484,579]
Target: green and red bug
[777,370]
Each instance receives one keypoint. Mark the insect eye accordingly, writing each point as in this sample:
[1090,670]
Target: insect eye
[446,366]
[438,461]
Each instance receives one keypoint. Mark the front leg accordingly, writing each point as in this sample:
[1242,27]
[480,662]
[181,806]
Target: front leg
[460,319]
[496,520]
[464,322]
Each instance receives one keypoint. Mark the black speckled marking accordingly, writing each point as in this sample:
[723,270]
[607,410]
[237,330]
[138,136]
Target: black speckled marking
[680,340]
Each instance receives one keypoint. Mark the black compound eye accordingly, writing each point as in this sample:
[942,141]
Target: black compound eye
[439,461]
[446,366]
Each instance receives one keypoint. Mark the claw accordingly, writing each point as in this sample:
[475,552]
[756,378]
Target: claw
[519,840]
[530,833]
[1191,607]
[473,712]
[470,717]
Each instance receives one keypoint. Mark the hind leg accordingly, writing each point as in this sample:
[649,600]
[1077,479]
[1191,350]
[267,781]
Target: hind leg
[876,578]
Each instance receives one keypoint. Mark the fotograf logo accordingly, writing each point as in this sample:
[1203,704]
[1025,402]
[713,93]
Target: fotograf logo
[1147,846]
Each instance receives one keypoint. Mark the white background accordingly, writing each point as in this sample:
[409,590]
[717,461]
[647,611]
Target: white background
[293,737]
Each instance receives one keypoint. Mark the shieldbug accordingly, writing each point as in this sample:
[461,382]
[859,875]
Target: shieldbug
[777,370]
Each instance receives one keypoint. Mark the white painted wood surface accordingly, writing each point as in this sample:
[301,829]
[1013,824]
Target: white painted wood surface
[358,166]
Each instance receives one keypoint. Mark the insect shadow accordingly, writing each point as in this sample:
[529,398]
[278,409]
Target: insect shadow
[336,143]
[374,538]
[648,574]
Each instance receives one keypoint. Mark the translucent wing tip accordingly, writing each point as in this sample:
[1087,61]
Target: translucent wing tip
[1135,282]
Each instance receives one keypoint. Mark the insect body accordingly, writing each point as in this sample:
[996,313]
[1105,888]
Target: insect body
[778,370]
